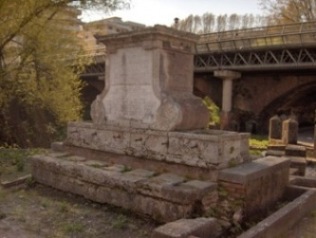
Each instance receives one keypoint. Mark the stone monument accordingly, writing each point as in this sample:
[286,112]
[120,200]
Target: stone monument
[148,149]
[148,109]
[149,82]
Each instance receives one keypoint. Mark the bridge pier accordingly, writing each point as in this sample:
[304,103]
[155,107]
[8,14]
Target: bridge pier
[227,76]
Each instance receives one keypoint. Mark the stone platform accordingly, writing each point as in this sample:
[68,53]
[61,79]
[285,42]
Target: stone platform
[163,196]
[208,149]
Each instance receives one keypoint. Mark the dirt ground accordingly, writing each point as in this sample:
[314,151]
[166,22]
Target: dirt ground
[41,211]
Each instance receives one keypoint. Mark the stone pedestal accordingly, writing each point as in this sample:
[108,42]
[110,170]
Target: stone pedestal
[227,77]
[275,128]
[149,82]
[289,131]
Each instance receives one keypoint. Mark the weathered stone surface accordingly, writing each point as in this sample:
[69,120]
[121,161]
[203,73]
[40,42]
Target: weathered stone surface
[275,128]
[289,131]
[153,186]
[255,186]
[245,173]
[279,223]
[57,146]
[200,148]
[149,82]
[299,163]
[199,227]
[295,150]
[149,144]
[165,197]
[96,163]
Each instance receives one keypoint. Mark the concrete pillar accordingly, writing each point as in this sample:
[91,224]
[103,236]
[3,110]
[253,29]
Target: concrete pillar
[227,97]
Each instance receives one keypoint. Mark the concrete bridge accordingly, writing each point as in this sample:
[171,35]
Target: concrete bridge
[251,73]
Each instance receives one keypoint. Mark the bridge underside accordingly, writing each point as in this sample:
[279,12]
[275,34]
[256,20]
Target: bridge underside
[301,101]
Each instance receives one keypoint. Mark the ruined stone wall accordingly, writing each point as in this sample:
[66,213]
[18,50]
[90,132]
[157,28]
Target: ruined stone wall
[250,189]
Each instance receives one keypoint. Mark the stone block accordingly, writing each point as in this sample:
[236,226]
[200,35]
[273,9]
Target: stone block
[247,172]
[143,89]
[295,150]
[116,197]
[130,181]
[289,131]
[277,153]
[299,163]
[96,163]
[153,186]
[257,185]
[57,146]
[97,176]
[184,228]
[159,209]
[149,144]
[209,149]
[275,128]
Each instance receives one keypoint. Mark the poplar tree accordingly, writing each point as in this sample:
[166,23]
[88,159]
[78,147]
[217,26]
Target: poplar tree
[40,68]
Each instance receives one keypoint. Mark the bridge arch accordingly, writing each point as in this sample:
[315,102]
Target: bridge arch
[300,100]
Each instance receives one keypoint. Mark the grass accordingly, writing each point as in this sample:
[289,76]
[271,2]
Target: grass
[120,222]
[14,162]
[258,143]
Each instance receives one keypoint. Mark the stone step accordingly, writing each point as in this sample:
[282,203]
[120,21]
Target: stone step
[163,196]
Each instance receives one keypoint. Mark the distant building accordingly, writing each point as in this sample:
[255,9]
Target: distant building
[107,26]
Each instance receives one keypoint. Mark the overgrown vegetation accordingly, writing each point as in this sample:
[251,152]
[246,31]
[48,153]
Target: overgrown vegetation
[14,161]
[214,112]
[40,68]
[258,143]
[64,215]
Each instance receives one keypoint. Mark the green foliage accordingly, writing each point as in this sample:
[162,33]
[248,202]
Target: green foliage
[40,87]
[214,111]
[258,142]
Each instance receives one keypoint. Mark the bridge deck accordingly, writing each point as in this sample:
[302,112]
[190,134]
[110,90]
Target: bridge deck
[278,47]
[289,35]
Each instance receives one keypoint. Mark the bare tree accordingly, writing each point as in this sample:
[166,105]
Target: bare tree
[208,22]
[290,11]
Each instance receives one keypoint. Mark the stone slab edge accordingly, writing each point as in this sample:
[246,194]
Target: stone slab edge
[282,220]
[199,227]
[246,172]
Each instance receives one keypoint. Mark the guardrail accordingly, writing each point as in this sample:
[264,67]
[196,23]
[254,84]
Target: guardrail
[288,35]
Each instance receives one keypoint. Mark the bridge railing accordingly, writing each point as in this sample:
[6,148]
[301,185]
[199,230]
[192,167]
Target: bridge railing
[288,35]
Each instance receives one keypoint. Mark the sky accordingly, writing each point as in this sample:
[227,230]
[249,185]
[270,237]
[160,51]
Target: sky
[163,12]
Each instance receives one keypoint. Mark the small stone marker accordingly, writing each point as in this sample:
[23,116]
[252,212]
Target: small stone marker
[275,128]
[289,131]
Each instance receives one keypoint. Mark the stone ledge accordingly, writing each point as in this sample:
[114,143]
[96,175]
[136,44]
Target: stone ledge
[165,197]
[209,149]
[281,221]
[244,173]
[184,228]
[295,150]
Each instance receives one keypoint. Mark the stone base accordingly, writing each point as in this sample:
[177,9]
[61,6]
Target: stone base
[254,187]
[199,227]
[164,197]
[210,149]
